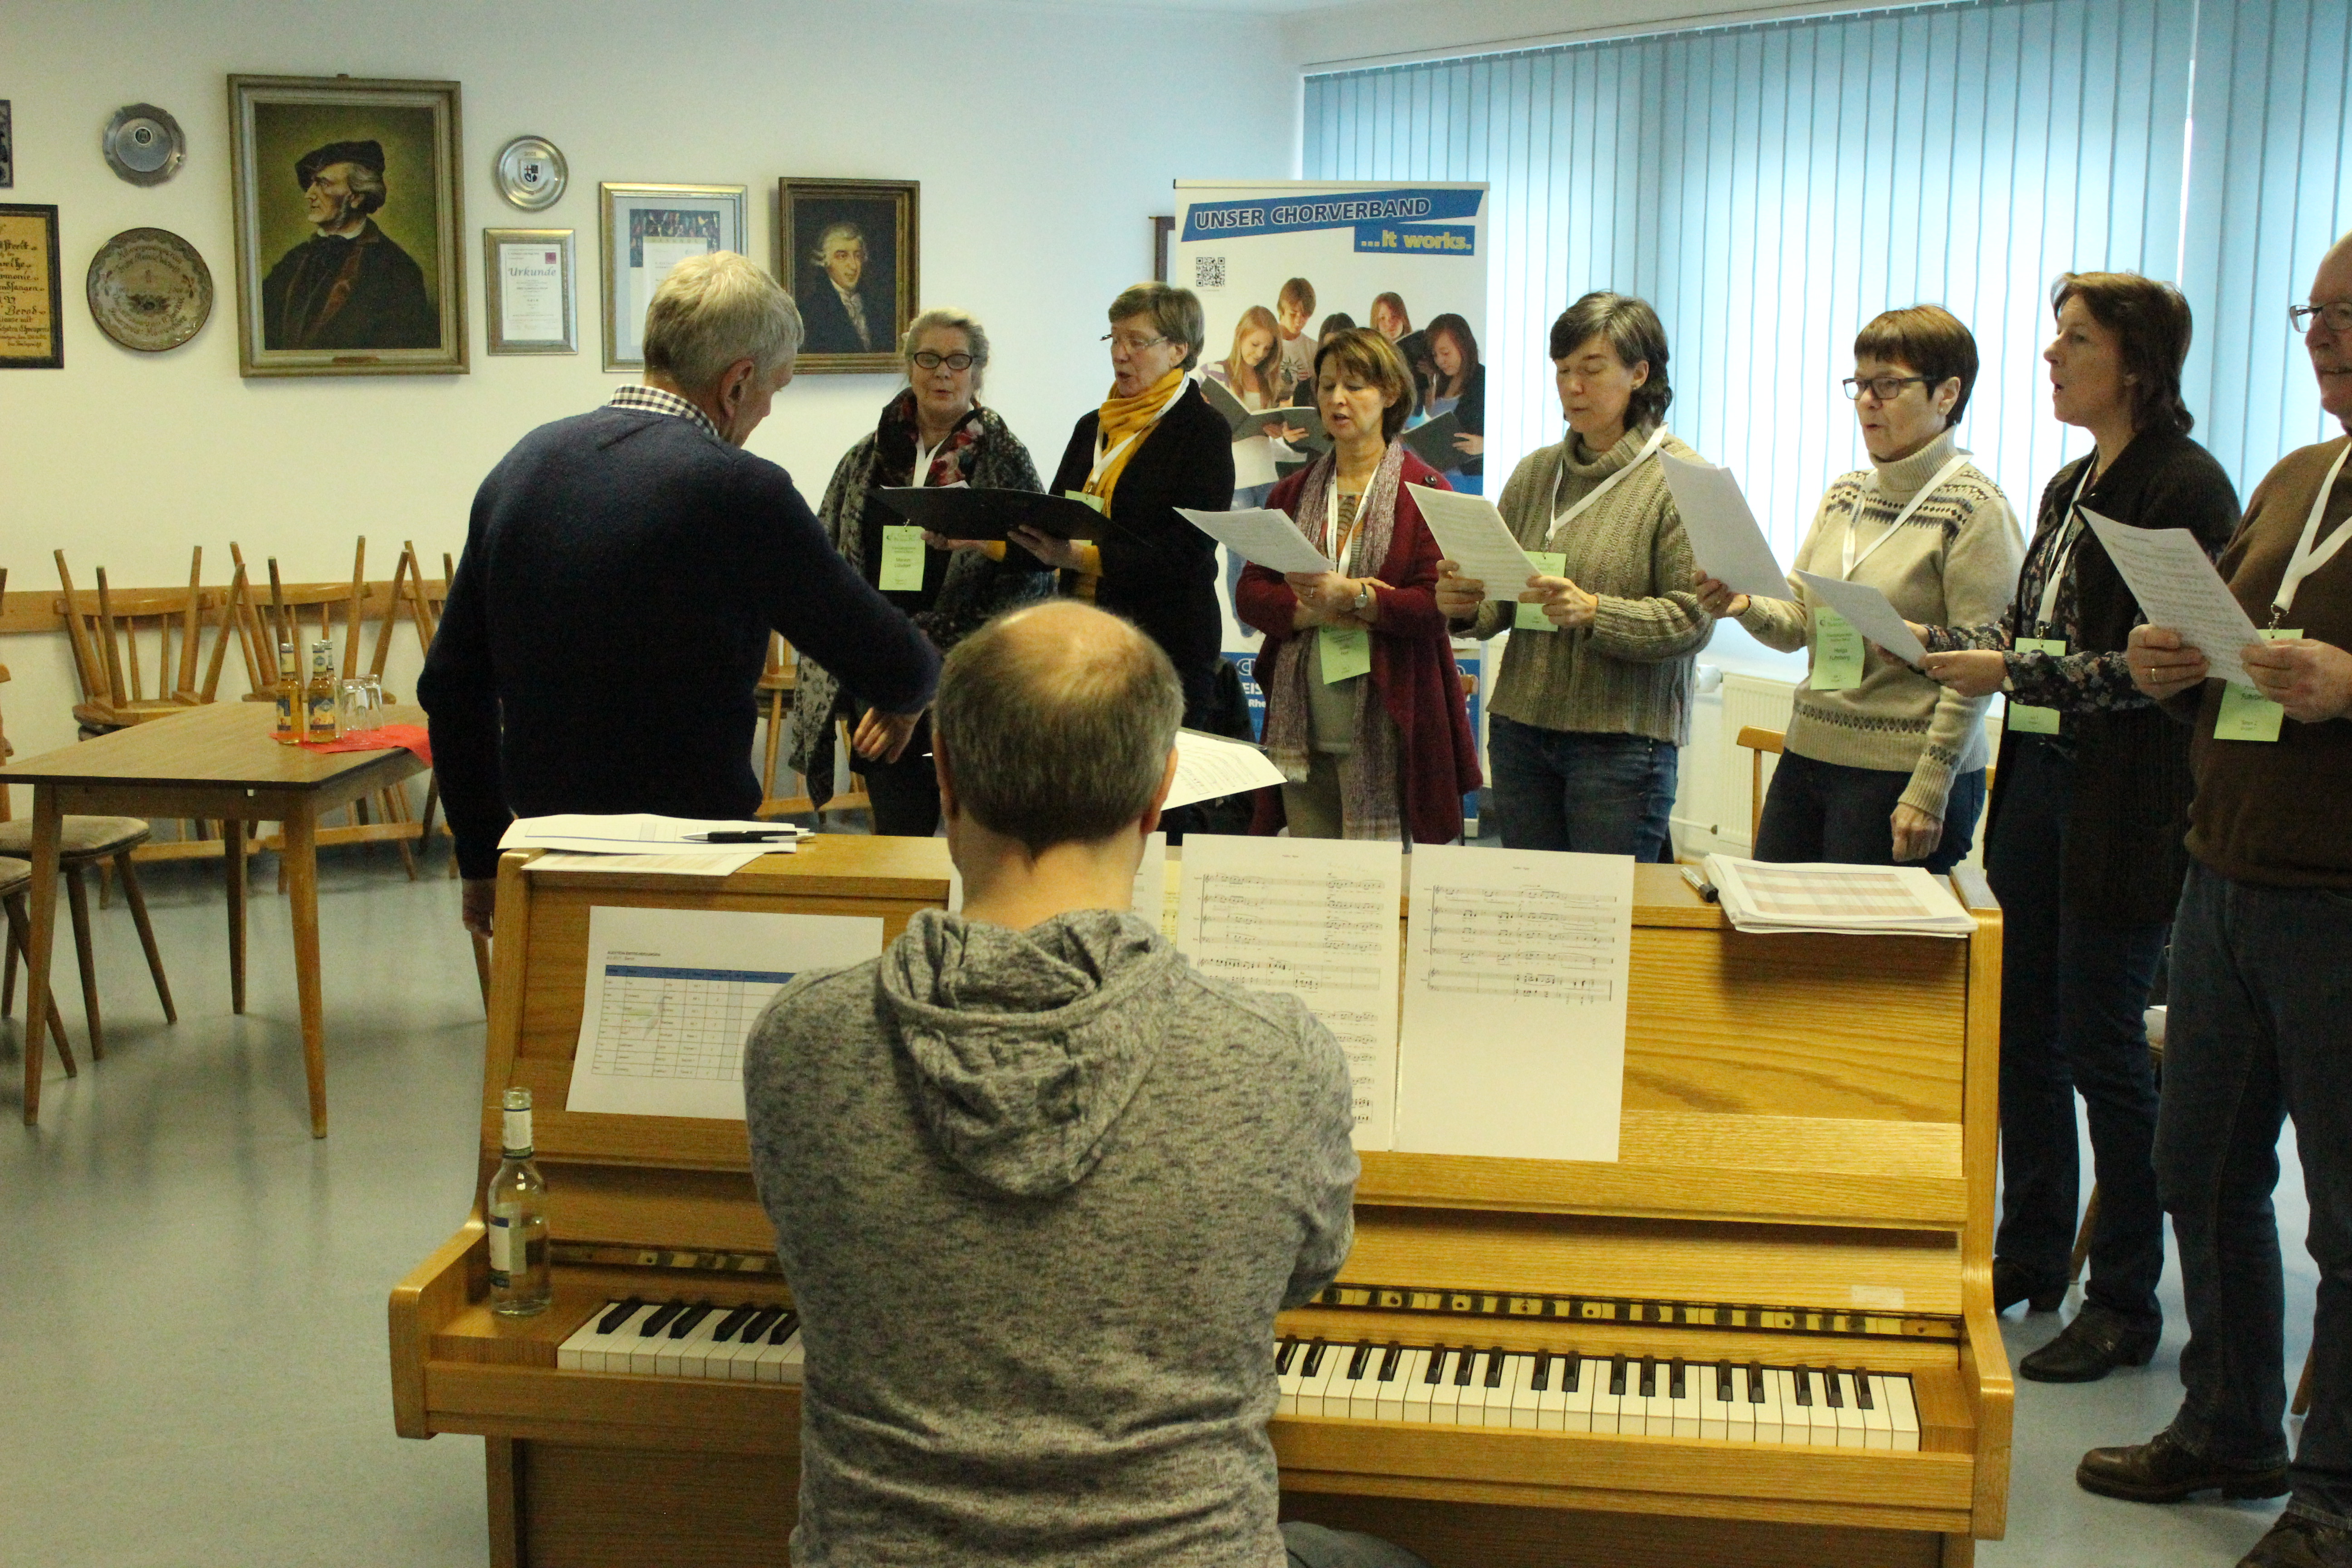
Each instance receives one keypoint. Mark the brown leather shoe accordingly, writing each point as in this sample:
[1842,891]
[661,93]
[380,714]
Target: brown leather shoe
[2295,1541]
[2162,1470]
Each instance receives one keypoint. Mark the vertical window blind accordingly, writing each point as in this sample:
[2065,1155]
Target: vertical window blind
[1771,187]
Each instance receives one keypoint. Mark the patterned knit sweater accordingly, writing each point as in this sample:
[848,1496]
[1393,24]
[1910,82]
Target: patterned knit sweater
[1954,564]
[1628,673]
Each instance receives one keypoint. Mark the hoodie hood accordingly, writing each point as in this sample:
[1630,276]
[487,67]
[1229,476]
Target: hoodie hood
[1027,1045]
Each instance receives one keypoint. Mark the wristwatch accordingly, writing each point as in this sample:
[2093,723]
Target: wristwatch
[1363,598]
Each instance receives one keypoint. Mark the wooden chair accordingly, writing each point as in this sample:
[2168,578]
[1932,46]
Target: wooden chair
[16,876]
[777,683]
[1759,742]
[104,630]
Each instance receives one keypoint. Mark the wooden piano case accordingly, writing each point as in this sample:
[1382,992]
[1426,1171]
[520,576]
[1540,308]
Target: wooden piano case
[1806,1177]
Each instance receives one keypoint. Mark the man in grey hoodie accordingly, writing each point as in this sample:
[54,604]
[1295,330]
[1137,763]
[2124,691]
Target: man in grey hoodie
[1038,1187]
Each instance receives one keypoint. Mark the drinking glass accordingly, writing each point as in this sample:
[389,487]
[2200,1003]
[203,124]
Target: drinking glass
[360,705]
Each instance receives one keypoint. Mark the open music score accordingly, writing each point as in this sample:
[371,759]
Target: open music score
[1524,941]
[1312,916]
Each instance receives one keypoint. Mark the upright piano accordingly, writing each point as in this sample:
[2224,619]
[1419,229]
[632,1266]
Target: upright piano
[1764,1335]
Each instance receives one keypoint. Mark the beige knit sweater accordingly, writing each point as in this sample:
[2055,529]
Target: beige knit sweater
[1628,673]
[1954,565]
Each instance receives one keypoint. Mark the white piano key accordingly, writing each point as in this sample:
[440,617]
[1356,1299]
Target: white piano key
[768,1366]
[1551,1399]
[1820,1428]
[1398,1383]
[1849,1426]
[1770,1425]
[1525,1402]
[1470,1409]
[1657,1405]
[679,1354]
[1328,1360]
[568,1353]
[644,1349]
[1494,1377]
[1444,1396]
[738,1360]
[1576,1414]
[1901,1411]
[1288,1375]
[1686,1408]
[788,1369]
[1608,1406]
[1364,1391]
[704,1353]
[1416,1392]
[1714,1410]
[1877,1430]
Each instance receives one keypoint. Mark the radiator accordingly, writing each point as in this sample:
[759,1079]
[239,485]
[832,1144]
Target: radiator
[1748,699]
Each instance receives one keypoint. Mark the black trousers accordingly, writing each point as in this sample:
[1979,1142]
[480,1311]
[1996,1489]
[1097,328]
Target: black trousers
[906,794]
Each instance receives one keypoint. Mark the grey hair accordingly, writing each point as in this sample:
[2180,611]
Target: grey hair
[367,190]
[952,319]
[716,309]
[839,226]
[1055,722]
[1175,314]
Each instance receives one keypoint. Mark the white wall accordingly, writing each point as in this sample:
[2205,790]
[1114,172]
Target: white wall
[1042,136]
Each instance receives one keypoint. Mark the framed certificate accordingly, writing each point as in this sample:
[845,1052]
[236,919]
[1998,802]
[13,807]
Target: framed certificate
[647,230]
[528,285]
[32,318]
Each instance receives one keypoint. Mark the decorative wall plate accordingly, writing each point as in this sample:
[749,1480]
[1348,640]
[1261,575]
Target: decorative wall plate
[148,289]
[531,172]
[144,144]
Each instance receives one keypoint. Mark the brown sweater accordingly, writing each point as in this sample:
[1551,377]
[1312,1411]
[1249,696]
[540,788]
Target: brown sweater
[2281,814]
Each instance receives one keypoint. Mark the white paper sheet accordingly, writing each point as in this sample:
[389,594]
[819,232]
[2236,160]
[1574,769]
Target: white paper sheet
[639,832]
[1317,917]
[2178,588]
[1208,766]
[1473,536]
[697,865]
[1516,963]
[672,993]
[1869,611]
[661,255]
[530,292]
[1724,537]
[1262,535]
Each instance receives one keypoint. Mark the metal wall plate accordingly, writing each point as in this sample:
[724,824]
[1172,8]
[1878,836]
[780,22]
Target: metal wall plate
[531,172]
[148,289]
[144,144]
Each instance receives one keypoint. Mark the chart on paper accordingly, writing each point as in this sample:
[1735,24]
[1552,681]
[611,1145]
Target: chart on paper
[671,993]
[1315,916]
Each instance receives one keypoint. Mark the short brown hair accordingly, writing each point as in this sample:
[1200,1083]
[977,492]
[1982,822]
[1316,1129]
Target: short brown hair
[1634,334]
[2152,323]
[1364,353]
[1299,295]
[1931,340]
[1175,314]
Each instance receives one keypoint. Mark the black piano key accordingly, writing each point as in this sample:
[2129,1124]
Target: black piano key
[1723,1381]
[1388,1359]
[785,1328]
[1540,1379]
[1617,1376]
[731,1323]
[1574,1372]
[1284,1355]
[1313,1361]
[1466,1363]
[1804,1386]
[760,1323]
[688,1319]
[1676,1386]
[1646,1383]
[1435,1375]
[1862,1391]
[1356,1362]
[619,1315]
[1755,1384]
[1494,1369]
[1830,1381]
[660,1319]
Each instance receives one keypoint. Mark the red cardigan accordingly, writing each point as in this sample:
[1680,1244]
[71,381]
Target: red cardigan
[1413,664]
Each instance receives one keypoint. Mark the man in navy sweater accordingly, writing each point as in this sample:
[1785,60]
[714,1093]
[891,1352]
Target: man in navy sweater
[609,620]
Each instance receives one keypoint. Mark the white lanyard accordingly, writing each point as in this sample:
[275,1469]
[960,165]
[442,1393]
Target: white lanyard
[1561,520]
[2305,559]
[2062,557]
[1103,459]
[1959,461]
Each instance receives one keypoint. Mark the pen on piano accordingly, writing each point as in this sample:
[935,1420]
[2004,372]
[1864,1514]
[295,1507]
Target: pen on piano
[1699,884]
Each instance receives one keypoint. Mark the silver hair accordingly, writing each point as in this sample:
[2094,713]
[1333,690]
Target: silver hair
[367,192]
[1175,314]
[712,311]
[947,317]
[824,239]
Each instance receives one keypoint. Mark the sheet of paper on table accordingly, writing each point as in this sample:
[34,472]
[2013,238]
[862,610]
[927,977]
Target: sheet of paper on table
[1473,535]
[639,832]
[672,993]
[1262,535]
[1724,537]
[1869,611]
[1516,968]
[1315,916]
[1208,766]
[2178,588]
[720,860]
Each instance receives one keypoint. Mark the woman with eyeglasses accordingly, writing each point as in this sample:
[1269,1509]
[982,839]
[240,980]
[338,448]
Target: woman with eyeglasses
[1155,444]
[1880,766]
[935,432]
[2090,808]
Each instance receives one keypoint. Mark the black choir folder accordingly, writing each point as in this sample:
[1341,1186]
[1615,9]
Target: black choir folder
[1245,420]
[1433,442]
[966,514]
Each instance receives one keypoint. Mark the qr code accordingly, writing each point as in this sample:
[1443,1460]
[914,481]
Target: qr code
[1208,272]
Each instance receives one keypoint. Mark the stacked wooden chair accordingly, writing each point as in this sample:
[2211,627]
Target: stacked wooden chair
[777,683]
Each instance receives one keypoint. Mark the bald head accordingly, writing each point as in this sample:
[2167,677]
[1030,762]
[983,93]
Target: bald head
[1053,723]
[2331,350]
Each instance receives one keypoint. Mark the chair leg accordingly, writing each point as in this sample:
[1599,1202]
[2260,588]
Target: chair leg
[2083,1238]
[20,938]
[9,985]
[136,897]
[77,897]
[482,971]
[395,809]
[2302,1406]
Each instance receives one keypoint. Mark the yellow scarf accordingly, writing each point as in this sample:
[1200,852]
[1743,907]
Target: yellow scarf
[1126,417]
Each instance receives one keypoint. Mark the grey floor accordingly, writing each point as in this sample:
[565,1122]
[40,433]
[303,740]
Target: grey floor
[192,1289]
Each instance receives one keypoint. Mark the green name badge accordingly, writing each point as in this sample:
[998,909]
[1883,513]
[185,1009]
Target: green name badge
[1531,618]
[1085,499]
[1347,652]
[1837,652]
[2246,714]
[2024,718]
[902,559]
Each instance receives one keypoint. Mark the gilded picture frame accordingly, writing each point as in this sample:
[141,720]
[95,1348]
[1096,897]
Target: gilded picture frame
[646,230]
[877,278]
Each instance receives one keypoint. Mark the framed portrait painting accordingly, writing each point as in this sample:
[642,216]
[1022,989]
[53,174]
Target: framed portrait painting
[848,250]
[348,220]
[647,230]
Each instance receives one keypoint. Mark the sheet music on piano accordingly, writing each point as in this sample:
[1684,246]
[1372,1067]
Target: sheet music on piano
[1315,916]
[1516,966]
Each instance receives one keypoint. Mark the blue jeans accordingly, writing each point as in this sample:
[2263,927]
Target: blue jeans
[1313,1546]
[1567,789]
[2257,1032]
[2073,998]
[1817,811]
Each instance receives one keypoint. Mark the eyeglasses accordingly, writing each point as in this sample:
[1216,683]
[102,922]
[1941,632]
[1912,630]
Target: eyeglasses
[1132,345]
[1885,388]
[2336,313]
[931,360]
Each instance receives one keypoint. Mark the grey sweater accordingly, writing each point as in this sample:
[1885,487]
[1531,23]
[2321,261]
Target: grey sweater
[1039,1195]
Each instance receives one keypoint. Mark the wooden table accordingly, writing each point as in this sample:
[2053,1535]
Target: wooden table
[216,761]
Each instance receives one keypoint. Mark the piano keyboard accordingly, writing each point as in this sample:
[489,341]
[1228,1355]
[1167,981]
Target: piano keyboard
[687,1339]
[1740,1402]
